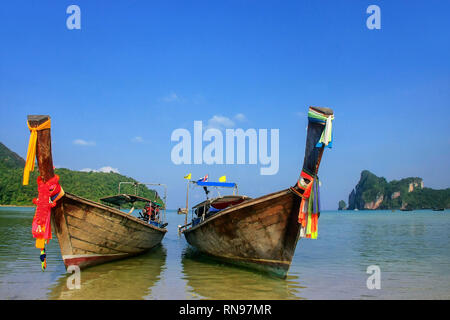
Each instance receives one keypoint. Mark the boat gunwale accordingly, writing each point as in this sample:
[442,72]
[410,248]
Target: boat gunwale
[112,210]
[241,205]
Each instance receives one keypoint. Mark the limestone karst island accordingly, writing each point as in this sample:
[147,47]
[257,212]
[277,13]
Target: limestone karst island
[373,192]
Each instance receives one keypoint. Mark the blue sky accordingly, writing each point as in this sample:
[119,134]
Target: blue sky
[145,68]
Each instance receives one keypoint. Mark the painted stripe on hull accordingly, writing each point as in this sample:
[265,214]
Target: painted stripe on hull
[84,260]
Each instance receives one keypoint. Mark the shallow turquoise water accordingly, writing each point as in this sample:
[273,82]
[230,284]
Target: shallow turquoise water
[412,250]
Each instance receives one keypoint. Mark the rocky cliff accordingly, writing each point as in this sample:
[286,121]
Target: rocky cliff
[374,192]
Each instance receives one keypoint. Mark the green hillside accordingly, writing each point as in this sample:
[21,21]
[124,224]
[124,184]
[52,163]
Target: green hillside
[89,185]
[10,159]
[373,192]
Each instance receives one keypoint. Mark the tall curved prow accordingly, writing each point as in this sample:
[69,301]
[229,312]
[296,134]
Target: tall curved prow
[319,136]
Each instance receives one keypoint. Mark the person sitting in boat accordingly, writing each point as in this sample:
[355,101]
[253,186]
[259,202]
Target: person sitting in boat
[154,212]
[146,212]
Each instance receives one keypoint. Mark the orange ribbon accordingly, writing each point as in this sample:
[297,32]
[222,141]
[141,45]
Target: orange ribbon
[31,153]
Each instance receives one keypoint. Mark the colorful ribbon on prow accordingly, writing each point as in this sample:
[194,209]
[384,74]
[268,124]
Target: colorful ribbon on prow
[31,153]
[309,210]
[49,193]
[308,183]
[327,134]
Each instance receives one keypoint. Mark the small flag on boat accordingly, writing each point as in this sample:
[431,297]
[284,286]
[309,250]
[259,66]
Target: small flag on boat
[204,179]
[223,179]
[188,176]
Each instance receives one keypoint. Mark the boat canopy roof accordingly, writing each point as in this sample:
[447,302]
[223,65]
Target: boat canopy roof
[216,184]
[224,199]
[122,199]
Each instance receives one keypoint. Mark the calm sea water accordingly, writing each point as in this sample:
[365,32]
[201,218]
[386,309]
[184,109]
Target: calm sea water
[412,250]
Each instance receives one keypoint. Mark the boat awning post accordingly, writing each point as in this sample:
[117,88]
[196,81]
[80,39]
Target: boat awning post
[187,204]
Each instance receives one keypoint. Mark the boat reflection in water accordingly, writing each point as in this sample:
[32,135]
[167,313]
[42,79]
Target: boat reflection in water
[129,279]
[209,279]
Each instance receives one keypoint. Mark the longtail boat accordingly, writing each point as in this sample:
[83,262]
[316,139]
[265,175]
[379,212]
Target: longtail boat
[88,232]
[262,233]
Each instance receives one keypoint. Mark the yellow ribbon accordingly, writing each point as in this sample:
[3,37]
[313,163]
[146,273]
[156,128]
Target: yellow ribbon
[31,153]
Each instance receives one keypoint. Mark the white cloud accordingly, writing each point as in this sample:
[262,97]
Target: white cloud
[102,169]
[240,117]
[81,142]
[220,122]
[172,97]
[137,139]
[108,169]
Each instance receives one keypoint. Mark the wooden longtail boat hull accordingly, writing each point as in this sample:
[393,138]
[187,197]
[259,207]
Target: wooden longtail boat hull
[90,233]
[261,233]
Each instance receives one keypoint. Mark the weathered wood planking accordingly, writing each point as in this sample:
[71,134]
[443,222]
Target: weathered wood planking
[261,233]
[90,233]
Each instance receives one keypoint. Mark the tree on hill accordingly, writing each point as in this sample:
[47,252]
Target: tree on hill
[10,159]
[89,185]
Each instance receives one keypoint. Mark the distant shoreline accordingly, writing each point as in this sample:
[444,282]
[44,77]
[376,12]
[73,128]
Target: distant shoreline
[15,206]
